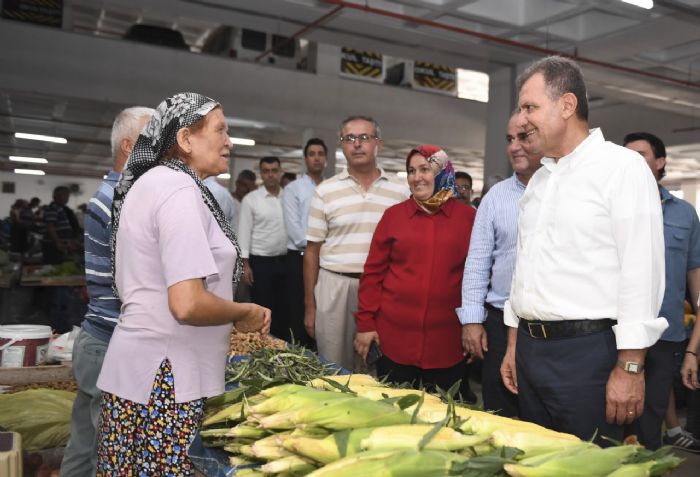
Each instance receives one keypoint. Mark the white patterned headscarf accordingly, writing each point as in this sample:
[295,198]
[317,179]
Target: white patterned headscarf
[158,137]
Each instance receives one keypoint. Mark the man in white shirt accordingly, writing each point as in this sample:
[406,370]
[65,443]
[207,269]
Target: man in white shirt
[263,242]
[296,201]
[589,272]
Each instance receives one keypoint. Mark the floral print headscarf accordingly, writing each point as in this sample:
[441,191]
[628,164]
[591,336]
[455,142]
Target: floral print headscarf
[158,137]
[444,176]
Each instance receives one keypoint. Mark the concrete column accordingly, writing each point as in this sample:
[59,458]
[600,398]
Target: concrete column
[502,102]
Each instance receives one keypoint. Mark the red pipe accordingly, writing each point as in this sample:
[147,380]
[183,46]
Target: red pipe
[507,42]
[300,32]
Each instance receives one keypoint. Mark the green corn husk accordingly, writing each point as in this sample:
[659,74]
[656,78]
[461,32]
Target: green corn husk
[587,463]
[310,431]
[245,430]
[541,458]
[331,448]
[410,436]
[214,433]
[533,443]
[222,401]
[349,380]
[292,464]
[235,448]
[293,399]
[41,416]
[665,464]
[339,414]
[249,473]
[233,412]
[633,470]
[411,463]
[269,448]
[238,461]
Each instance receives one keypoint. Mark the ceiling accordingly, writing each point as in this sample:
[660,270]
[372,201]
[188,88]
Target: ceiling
[631,55]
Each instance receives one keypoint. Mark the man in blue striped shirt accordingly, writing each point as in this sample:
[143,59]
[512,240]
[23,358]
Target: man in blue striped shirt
[489,270]
[80,457]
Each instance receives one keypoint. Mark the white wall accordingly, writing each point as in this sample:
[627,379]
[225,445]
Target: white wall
[42,187]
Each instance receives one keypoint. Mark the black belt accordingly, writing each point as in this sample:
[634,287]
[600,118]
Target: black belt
[564,328]
[349,275]
[296,252]
[490,307]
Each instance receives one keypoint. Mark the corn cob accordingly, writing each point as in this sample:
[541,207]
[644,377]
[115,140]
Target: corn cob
[293,399]
[633,470]
[588,463]
[233,412]
[245,430]
[541,458]
[409,436]
[237,461]
[392,464]
[291,464]
[533,443]
[330,448]
[249,473]
[338,414]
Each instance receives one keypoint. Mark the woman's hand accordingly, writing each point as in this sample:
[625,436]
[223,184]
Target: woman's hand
[258,318]
[363,341]
[689,371]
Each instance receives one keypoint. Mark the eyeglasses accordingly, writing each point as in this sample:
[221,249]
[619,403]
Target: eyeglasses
[363,138]
[463,188]
[521,137]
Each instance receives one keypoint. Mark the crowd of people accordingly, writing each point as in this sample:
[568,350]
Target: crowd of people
[568,281]
[52,233]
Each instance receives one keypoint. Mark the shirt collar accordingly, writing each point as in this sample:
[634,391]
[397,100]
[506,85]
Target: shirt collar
[517,182]
[666,195]
[594,138]
[346,175]
[415,209]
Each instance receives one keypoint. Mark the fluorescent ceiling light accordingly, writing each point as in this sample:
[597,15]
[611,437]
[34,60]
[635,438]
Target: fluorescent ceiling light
[41,137]
[225,175]
[31,172]
[242,141]
[33,160]
[648,4]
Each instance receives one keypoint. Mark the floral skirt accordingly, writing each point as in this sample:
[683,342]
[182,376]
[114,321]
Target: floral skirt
[148,439]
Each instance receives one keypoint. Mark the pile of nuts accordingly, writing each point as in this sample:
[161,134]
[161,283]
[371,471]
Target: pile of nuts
[244,344]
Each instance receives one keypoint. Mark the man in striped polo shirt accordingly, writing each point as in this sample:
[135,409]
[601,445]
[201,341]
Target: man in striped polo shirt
[80,457]
[344,212]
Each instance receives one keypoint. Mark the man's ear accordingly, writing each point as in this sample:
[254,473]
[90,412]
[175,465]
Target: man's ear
[660,163]
[568,103]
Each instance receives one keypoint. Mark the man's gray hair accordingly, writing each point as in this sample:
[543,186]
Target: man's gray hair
[125,125]
[561,75]
[377,129]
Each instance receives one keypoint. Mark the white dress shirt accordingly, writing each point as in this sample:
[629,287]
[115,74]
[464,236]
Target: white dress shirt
[591,243]
[296,202]
[261,225]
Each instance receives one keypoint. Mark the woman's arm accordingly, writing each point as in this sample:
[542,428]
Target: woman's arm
[192,304]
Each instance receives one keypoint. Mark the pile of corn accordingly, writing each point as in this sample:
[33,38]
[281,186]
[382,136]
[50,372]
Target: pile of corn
[355,426]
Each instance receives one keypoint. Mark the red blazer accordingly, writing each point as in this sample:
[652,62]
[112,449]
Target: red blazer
[412,283]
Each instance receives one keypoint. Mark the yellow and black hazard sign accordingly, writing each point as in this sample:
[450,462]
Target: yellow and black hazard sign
[430,75]
[361,63]
[43,12]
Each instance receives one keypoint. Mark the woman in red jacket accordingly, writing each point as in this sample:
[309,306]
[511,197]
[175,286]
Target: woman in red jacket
[412,279]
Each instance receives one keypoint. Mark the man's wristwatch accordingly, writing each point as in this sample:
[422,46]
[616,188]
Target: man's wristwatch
[631,366]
